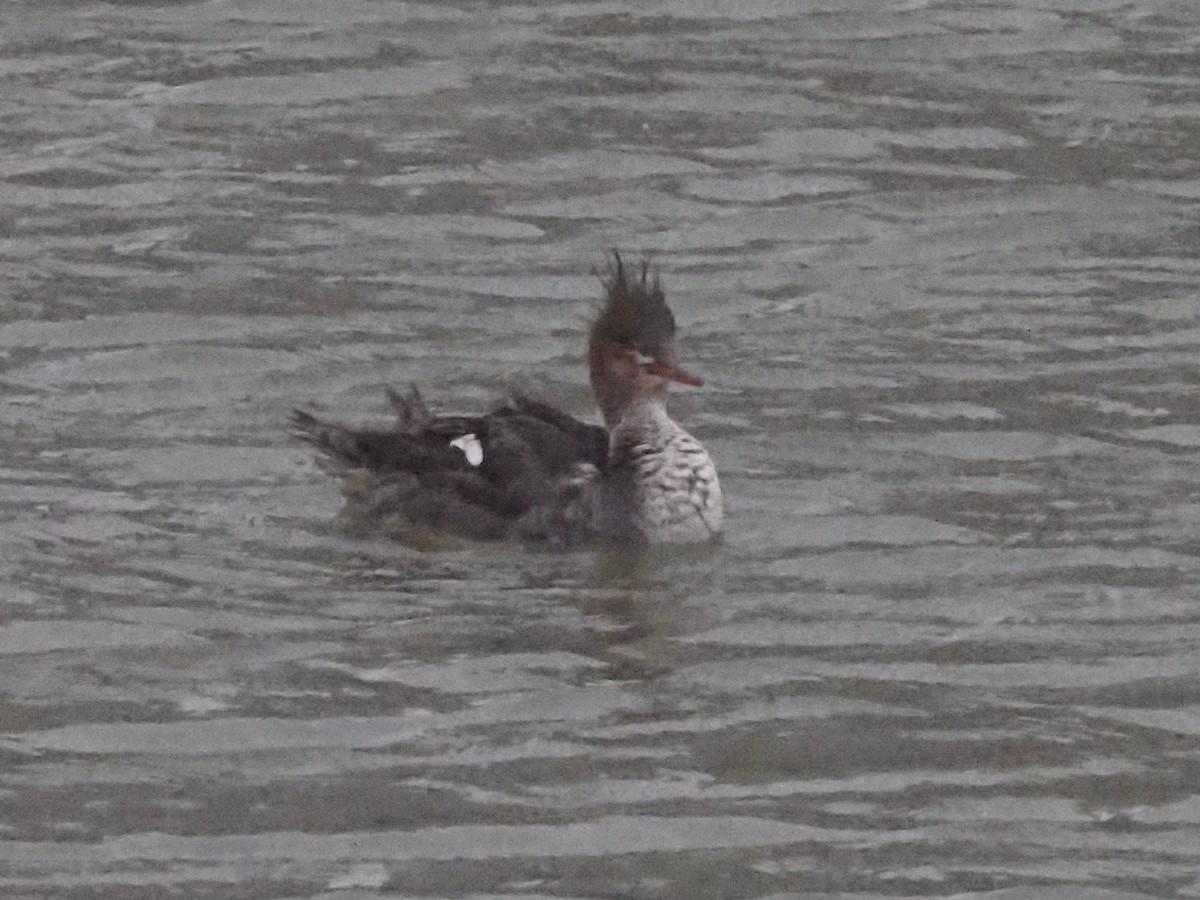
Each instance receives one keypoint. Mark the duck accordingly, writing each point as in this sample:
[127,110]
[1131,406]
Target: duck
[527,471]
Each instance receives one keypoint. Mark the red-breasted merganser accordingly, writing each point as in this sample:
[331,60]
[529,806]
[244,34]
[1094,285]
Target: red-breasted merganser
[527,470]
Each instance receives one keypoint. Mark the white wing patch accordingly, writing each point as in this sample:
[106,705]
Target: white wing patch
[471,447]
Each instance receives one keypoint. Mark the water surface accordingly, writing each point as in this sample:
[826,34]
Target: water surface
[938,264]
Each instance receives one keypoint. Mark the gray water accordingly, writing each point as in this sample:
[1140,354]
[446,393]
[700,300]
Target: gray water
[938,262]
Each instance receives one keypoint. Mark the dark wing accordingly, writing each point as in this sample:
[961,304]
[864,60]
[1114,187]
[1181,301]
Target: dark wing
[413,474]
[378,451]
[571,441]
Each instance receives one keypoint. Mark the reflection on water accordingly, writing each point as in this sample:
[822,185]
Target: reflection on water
[938,266]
